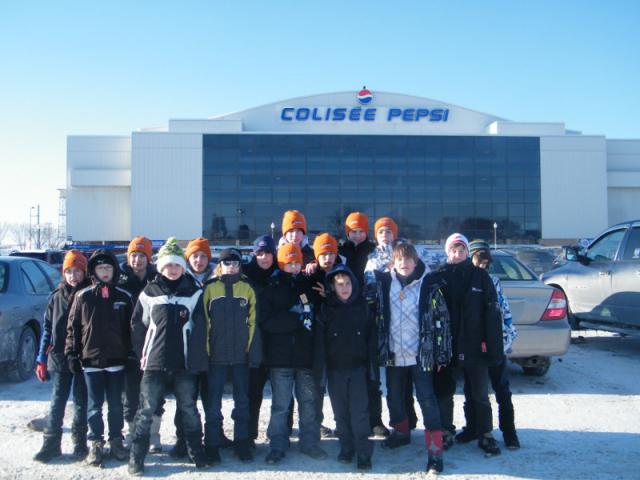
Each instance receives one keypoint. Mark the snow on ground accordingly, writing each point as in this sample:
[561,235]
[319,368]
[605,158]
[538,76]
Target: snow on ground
[581,421]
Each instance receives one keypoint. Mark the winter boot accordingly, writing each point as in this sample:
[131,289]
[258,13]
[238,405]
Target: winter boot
[489,445]
[117,450]
[468,433]
[80,449]
[179,450]
[400,435]
[380,431]
[507,425]
[139,448]
[212,455]
[447,439]
[96,453]
[363,463]
[242,450]
[511,439]
[155,446]
[433,440]
[196,452]
[50,448]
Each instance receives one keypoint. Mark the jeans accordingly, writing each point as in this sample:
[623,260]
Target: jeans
[153,388]
[283,382]
[103,384]
[348,395]
[131,394]
[213,408]
[257,379]
[397,379]
[374,395]
[63,383]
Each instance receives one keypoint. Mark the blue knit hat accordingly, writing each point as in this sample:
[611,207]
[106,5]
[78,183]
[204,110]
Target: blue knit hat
[264,243]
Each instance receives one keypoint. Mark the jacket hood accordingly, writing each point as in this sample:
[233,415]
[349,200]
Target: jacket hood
[103,256]
[328,282]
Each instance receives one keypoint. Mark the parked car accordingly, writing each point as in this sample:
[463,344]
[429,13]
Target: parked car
[602,281]
[539,260]
[51,256]
[539,314]
[25,285]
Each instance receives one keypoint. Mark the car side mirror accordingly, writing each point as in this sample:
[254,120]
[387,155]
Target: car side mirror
[571,253]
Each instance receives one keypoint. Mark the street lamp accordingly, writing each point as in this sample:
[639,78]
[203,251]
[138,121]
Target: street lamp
[273,227]
[495,236]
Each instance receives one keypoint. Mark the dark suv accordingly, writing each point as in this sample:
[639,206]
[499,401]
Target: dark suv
[602,281]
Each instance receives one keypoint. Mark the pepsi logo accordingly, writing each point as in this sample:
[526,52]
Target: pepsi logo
[365,96]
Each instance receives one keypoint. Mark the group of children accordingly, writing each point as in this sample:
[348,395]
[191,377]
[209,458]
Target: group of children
[306,318]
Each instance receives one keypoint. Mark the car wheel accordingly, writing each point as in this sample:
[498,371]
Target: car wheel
[539,371]
[25,361]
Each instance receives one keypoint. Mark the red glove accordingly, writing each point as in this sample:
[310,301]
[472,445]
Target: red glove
[41,372]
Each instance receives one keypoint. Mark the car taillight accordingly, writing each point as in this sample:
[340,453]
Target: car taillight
[557,307]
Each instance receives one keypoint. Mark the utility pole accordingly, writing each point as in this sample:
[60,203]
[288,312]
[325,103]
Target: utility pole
[38,224]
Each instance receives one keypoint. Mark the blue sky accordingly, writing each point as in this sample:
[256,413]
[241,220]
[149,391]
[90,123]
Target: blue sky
[78,67]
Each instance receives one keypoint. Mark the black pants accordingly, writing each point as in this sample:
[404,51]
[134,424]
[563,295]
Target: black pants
[374,396]
[131,394]
[200,390]
[348,395]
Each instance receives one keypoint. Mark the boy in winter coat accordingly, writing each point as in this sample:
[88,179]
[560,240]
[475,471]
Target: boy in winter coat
[476,330]
[169,338]
[258,271]
[294,230]
[498,373]
[357,246]
[98,345]
[135,274]
[414,342]
[346,344]
[51,359]
[233,341]
[288,327]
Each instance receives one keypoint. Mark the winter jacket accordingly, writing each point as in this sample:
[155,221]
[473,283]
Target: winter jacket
[230,305]
[168,330]
[98,326]
[433,347]
[476,321]
[509,332]
[346,335]
[356,256]
[54,333]
[130,281]
[287,321]
[259,277]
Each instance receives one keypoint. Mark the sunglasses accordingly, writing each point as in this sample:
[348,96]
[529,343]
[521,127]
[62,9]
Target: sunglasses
[230,263]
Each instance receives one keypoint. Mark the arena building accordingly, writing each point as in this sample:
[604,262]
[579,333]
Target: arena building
[433,166]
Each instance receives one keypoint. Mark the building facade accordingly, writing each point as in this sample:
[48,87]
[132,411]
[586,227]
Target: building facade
[434,167]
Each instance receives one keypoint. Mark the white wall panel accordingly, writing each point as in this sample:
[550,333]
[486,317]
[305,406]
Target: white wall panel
[573,186]
[99,214]
[624,204]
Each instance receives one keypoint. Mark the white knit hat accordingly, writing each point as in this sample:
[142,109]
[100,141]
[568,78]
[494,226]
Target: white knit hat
[170,252]
[456,238]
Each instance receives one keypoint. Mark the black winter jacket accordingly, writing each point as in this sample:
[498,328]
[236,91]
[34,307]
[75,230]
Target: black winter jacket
[346,333]
[168,329]
[356,256]
[287,324]
[130,281]
[54,332]
[476,321]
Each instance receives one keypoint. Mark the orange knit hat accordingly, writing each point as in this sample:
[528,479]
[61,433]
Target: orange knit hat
[198,245]
[293,219]
[357,220]
[289,253]
[74,258]
[386,222]
[325,243]
[142,245]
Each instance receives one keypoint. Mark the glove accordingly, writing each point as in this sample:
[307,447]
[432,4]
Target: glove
[41,372]
[74,363]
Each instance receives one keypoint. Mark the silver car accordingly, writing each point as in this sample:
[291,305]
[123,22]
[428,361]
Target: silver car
[539,314]
[602,282]
[25,285]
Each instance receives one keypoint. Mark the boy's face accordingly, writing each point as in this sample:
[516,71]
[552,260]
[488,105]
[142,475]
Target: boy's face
[264,260]
[294,236]
[343,286]
[483,264]
[326,260]
[384,236]
[229,267]
[457,253]
[73,276]
[199,262]
[357,235]
[293,268]
[404,265]
[104,272]
[172,271]
[138,261]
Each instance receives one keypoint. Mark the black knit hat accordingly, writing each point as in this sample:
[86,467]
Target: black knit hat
[230,254]
[477,245]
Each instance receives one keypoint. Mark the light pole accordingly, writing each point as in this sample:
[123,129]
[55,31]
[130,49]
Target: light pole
[495,235]
[273,227]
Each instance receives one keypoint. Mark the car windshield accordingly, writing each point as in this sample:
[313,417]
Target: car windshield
[508,268]
[4,276]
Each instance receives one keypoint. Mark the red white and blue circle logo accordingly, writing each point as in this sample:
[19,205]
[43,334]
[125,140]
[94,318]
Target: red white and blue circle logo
[365,96]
